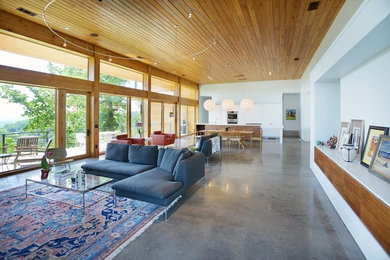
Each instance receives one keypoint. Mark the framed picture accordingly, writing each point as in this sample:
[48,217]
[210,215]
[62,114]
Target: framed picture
[380,163]
[374,132]
[357,131]
[345,139]
[291,114]
[344,129]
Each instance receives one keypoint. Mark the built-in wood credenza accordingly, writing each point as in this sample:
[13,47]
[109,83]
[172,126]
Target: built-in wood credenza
[373,212]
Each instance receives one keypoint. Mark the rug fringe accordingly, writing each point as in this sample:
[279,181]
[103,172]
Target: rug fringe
[139,232]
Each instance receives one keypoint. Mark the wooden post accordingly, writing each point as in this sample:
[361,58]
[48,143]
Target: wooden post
[93,75]
[60,125]
[129,116]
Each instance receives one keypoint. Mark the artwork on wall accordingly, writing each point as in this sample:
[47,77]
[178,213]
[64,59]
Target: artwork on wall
[380,163]
[344,129]
[357,131]
[374,132]
[291,114]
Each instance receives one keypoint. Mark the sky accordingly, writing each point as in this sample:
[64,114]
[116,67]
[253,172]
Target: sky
[13,112]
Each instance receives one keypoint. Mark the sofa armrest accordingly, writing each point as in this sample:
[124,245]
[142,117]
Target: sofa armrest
[191,170]
[206,148]
[158,139]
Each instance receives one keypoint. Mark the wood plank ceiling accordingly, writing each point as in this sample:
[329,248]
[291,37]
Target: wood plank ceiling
[254,37]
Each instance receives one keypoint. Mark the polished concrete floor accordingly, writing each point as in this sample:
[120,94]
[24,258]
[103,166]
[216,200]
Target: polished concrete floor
[255,204]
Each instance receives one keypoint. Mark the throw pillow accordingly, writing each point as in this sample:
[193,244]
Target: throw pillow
[161,152]
[143,154]
[183,156]
[117,152]
[169,159]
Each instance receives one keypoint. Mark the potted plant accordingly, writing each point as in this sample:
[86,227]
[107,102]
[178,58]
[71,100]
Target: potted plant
[45,165]
[139,129]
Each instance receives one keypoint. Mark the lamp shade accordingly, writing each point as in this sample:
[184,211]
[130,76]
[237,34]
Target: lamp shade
[247,104]
[227,104]
[209,105]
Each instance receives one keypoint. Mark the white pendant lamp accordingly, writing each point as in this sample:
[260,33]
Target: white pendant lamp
[247,104]
[227,104]
[209,105]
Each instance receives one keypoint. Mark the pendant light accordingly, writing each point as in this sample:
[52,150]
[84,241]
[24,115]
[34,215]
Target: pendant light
[209,105]
[227,104]
[246,104]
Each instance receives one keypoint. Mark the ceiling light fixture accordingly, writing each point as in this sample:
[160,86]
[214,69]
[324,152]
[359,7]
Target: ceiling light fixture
[155,63]
[181,3]
[193,58]
[227,104]
[209,105]
[190,14]
[270,73]
[247,104]
[64,44]
[110,59]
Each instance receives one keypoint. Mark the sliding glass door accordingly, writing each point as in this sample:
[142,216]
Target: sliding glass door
[76,124]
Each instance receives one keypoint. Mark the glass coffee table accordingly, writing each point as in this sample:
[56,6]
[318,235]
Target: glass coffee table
[76,181]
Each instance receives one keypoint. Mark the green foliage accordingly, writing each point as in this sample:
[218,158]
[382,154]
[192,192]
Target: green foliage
[39,109]
[113,113]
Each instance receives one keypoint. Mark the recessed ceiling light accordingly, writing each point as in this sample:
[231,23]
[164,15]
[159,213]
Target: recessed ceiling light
[176,26]
[94,35]
[270,73]
[66,28]
[155,63]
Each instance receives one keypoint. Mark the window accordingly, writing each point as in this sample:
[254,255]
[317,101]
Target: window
[27,112]
[187,124]
[163,86]
[120,76]
[23,54]
[156,119]
[112,118]
[136,118]
[169,118]
[76,124]
[189,92]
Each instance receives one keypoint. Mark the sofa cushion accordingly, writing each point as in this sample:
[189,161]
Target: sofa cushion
[143,154]
[114,167]
[201,140]
[169,159]
[161,152]
[117,152]
[186,154]
[155,183]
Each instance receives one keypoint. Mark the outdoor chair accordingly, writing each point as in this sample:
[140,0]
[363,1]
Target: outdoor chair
[27,150]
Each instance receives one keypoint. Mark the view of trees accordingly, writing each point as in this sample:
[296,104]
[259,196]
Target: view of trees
[39,109]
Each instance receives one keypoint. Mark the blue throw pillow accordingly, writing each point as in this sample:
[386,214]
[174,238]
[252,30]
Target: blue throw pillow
[161,152]
[183,156]
[169,159]
[143,154]
[117,152]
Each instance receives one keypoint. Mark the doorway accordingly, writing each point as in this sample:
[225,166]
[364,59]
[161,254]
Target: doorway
[291,115]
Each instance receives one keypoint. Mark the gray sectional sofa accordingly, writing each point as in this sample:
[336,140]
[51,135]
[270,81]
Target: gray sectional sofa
[147,173]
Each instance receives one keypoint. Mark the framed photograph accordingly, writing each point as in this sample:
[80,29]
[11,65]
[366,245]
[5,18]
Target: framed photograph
[344,129]
[291,114]
[357,131]
[345,139]
[380,163]
[374,132]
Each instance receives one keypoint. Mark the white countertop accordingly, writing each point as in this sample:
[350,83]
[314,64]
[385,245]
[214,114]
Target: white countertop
[377,186]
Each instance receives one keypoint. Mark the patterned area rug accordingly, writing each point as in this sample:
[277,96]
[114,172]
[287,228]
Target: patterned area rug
[39,228]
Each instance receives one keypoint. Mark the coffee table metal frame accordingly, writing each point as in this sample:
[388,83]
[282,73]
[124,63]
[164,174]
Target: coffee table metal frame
[83,192]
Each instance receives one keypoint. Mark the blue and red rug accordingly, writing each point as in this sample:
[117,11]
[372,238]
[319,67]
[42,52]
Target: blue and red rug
[39,228]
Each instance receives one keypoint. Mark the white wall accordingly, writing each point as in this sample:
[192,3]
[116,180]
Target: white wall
[358,63]
[327,110]
[365,92]
[291,101]
[262,92]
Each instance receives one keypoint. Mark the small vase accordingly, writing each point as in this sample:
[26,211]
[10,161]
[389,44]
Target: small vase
[44,173]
